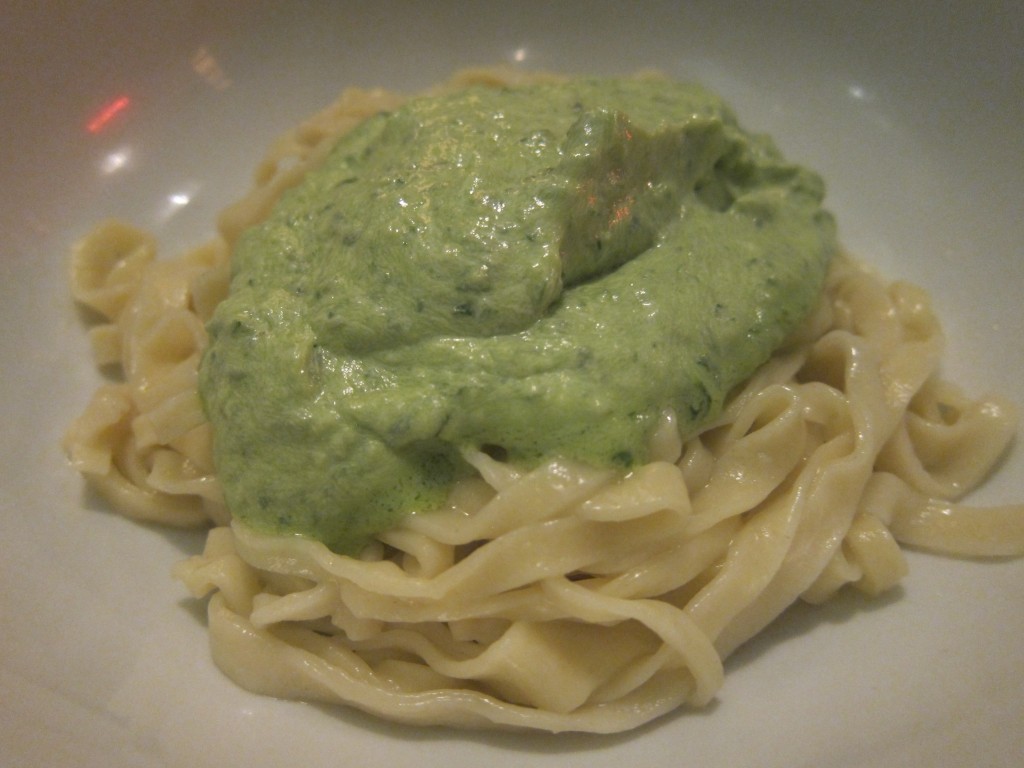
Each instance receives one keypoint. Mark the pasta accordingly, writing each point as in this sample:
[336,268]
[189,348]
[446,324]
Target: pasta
[562,597]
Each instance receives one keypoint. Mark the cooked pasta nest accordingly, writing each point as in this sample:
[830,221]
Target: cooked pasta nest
[560,597]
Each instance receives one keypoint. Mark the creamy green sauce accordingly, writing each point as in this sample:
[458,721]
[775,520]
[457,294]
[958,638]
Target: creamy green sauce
[538,271]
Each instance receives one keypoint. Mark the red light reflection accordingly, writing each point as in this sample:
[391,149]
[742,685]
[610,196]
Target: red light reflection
[107,113]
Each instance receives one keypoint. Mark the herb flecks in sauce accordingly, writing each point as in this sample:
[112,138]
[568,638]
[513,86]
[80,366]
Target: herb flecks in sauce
[538,270]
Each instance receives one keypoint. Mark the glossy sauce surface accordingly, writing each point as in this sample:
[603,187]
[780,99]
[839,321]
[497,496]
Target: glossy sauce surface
[539,270]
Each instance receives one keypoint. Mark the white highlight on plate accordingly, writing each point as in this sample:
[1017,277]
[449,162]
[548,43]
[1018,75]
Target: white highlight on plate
[175,201]
[116,161]
[858,92]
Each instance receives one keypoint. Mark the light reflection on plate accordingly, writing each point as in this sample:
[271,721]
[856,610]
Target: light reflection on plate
[912,114]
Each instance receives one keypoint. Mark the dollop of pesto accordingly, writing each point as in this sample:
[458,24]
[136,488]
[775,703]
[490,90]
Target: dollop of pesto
[537,270]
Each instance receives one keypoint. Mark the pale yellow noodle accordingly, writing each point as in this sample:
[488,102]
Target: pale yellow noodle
[561,597]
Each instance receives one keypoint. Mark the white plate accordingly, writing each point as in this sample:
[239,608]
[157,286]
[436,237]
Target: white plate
[913,114]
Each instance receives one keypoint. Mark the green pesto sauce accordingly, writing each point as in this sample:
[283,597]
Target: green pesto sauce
[542,270]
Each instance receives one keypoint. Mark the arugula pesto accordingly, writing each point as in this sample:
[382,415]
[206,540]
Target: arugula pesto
[540,269]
